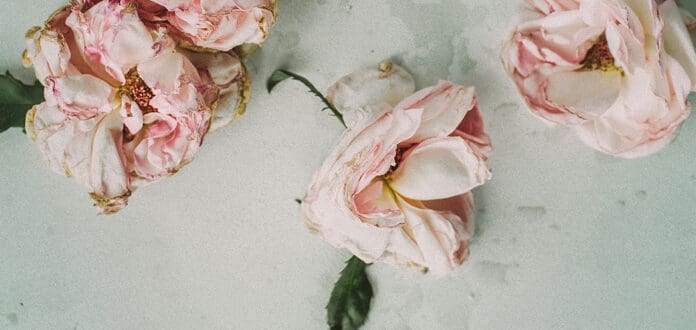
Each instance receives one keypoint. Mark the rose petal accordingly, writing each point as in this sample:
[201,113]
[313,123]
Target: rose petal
[585,93]
[219,25]
[472,130]
[176,84]
[550,6]
[95,157]
[83,96]
[227,72]
[677,40]
[132,115]
[377,206]
[440,236]
[47,49]
[444,107]
[439,168]
[111,38]
[389,85]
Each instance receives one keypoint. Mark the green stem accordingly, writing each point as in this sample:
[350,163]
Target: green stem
[280,75]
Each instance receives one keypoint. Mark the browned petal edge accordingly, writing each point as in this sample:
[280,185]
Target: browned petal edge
[188,45]
[47,23]
[29,122]
[691,26]
[385,69]
[244,93]
[26,61]
[261,23]
[245,50]
[105,202]
[274,9]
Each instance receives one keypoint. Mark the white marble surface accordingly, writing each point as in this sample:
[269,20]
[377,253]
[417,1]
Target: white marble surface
[567,237]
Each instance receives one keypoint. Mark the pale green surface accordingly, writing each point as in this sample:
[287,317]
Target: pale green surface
[567,238]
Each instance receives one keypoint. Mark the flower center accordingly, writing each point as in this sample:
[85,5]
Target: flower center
[599,57]
[397,161]
[138,91]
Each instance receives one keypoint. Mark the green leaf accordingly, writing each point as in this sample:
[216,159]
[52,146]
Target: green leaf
[350,298]
[280,75]
[689,5]
[16,99]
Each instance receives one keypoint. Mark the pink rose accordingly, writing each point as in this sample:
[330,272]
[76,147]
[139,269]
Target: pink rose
[123,106]
[397,186]
[214,24]
[618,71]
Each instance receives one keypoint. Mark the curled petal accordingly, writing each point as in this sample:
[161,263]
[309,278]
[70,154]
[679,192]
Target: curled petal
[441,236]
[444,107]
[132,115]
[376,205]
[587,94]
[472,130]
[439,168]
[389,84]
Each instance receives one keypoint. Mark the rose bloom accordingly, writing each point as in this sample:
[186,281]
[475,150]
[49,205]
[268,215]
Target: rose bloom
[618,71]
[397,186]
[213,24]
[123,106]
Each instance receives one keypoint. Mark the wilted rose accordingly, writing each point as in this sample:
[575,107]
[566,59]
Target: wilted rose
[123,107]
[618,71]
[397,186]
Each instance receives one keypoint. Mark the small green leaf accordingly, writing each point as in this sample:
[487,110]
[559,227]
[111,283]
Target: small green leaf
[689,5]
[16,99]
[350,298]
[281,75]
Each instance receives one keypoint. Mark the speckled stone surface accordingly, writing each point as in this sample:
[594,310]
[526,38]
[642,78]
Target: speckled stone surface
[566,238]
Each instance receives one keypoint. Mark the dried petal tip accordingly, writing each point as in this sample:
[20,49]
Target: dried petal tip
[110,205]
[385,68]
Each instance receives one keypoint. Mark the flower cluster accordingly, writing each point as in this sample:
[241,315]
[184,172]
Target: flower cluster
[397,186]
[125,102]
[617,71]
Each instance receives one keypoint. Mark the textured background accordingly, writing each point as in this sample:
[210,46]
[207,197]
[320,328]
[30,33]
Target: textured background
[567,237]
